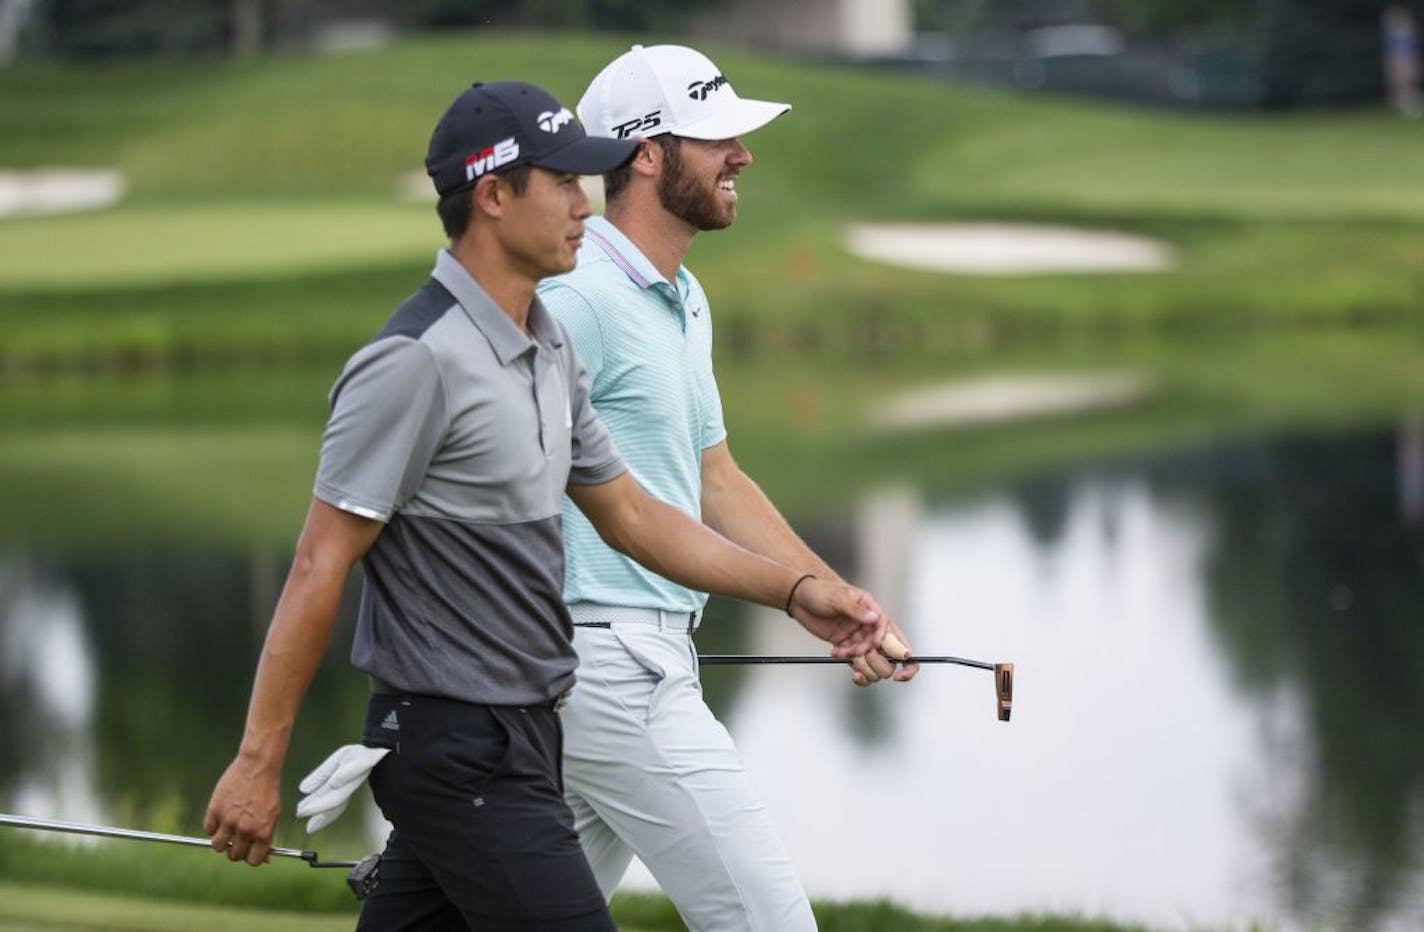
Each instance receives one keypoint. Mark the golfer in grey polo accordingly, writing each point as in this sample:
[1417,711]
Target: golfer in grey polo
[429,433]
[451,437]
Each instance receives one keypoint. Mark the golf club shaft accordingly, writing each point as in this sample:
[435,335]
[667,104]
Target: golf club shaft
[763,658]
[104,831]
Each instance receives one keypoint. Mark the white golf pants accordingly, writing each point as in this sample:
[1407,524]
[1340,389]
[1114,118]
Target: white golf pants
[648,770]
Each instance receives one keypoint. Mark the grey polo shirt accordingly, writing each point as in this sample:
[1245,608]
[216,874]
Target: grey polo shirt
[460,433]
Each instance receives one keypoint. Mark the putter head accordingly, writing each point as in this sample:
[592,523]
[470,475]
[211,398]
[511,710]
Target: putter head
[362,878]
[1004,689]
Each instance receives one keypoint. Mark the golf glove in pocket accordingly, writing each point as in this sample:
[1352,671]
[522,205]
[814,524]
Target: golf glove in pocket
[328,788]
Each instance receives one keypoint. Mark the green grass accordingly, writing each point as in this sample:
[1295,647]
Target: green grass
[191,242]
[30,909]
[124,885]
[229,485]
[263,211]
[211,456]
[186,339]
[343,125]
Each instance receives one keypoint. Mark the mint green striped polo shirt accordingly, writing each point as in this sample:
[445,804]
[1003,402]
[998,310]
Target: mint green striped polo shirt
[647,345]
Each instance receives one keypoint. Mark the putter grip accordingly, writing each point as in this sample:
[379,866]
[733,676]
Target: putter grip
[894,647]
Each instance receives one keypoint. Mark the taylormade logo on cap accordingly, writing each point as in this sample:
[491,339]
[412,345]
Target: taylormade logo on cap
[549,121]
[658,89]
[698,90]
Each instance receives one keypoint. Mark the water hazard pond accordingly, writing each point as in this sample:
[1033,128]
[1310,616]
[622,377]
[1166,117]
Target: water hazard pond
[1217,715]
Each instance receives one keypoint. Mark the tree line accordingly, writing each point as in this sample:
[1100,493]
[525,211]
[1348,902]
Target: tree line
[1300,52]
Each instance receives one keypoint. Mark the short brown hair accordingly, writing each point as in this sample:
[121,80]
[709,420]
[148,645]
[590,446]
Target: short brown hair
[615,181]
[455,208]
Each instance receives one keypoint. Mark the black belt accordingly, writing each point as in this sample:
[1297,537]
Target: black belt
[380,687]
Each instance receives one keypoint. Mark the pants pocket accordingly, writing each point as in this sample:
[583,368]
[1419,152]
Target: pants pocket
[664,655]
[476,747]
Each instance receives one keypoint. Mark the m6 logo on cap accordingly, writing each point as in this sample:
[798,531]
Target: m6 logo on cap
[550,121]
[501,153]
[698,90]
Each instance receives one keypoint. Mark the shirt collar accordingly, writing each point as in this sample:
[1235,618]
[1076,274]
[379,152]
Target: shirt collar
[624,253]
[507,340]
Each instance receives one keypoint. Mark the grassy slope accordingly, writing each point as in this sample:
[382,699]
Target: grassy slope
[253,183]
[339,126]
[122,885]
[858,144]
[247,479]
[270,175]
[31,909]
[23,909]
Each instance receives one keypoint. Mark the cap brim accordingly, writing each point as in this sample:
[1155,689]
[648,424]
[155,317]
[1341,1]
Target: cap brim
[738,119]
[591,155]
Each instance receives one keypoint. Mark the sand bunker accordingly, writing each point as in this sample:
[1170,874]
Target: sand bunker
[1006,248]
[1007,398]
[56,190]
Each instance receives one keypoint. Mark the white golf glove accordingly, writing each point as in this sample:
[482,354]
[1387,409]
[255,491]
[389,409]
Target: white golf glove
[328,788]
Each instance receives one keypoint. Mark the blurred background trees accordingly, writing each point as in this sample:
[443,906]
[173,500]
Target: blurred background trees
[1213,53]
[106,28]
[1210,53]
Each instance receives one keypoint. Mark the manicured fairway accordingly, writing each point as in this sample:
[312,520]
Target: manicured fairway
[23,909]
[191,242]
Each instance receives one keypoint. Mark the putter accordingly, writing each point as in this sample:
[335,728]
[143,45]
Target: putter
[362,877]
[1003,672]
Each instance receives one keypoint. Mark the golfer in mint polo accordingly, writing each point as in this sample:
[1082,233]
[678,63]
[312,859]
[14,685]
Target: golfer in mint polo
[453,435]
[648,770]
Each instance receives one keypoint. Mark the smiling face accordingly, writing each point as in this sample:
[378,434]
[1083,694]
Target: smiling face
[698,180]
[542,228]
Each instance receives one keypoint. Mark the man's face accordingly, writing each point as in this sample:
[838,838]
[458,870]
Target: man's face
[698,181]
[543,227]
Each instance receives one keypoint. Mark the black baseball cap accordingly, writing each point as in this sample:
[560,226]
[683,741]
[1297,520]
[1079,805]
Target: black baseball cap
[497,126]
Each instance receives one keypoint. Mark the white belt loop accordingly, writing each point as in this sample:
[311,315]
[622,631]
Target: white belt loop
[672,621]
[679,622]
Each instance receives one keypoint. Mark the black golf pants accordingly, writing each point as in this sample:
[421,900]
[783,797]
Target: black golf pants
[482,837]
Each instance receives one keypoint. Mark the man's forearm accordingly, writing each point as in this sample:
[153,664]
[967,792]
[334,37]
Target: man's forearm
[734,505]
[331,543]
[296,642]
[679,547]
[737,508]
[691,554]
[245,805]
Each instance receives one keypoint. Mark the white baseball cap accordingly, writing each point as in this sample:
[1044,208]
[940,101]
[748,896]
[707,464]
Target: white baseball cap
[658,89]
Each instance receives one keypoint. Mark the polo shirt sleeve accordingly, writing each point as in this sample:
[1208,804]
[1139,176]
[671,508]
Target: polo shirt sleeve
[574,312]
[594,459]
[388,416]
[714,428]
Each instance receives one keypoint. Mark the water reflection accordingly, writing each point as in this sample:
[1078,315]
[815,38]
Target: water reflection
[1218,707]
[1220,693]
[125,679]
[1113,788]
[47,677]
[1317,578]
